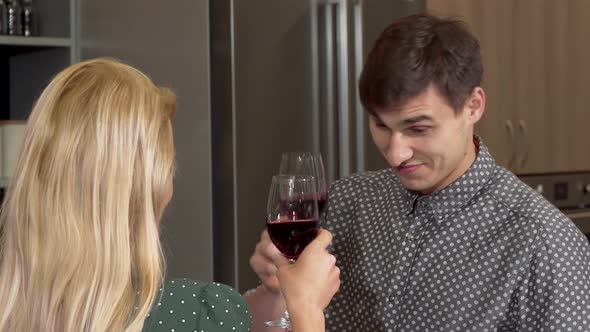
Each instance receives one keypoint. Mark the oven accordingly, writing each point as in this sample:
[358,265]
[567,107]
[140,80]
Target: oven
[570,192]
[581,218]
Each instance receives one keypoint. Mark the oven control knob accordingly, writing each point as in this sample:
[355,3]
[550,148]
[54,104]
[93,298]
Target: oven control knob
[539,188]
[587,188]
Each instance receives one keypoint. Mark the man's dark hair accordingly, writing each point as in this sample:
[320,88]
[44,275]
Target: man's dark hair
[417,51]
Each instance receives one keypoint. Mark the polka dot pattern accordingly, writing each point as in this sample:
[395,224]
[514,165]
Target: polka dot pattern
[487,253]
[186,305]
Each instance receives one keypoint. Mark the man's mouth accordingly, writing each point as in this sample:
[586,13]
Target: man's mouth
[408,169]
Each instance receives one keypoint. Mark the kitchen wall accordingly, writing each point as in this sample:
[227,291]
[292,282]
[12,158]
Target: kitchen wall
[169,41]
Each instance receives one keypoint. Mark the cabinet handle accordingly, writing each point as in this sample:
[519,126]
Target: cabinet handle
[525,142]
[510,130]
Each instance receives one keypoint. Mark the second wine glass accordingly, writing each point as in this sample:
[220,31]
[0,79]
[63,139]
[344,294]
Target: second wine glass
[307,164]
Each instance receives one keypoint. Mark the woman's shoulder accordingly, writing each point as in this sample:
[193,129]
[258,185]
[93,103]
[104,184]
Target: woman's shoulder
[188,305]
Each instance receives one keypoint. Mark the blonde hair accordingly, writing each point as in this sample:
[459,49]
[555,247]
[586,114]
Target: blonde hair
[80,246]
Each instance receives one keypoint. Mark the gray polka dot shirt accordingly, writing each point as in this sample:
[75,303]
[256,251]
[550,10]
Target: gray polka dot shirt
[487,253]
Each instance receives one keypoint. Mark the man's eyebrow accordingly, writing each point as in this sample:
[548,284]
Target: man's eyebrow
[416,119]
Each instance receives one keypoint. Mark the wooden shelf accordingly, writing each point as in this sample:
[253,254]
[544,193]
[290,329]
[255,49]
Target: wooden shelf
[35,41]
[5,122]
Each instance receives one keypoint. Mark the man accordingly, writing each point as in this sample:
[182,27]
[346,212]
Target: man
[445,240]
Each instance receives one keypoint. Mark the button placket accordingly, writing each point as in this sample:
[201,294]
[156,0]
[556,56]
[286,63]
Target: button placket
[409,251]
[421,215]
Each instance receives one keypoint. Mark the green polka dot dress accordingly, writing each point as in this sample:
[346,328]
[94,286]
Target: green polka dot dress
[186,305]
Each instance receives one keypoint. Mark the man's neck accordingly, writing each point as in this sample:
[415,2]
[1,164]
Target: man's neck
[468,162]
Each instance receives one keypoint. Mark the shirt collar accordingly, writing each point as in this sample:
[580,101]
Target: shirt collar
[451,199]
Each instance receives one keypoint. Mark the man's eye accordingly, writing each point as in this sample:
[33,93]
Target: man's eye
[381,125]
[419,129]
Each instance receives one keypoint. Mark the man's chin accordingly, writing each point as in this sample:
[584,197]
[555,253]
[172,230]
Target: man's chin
[413,185]
[417,185]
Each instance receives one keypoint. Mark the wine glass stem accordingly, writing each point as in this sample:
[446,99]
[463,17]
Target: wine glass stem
[286,314]
[287,320]
[284,322]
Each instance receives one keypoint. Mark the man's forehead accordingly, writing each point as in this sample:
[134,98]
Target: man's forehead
[411,113]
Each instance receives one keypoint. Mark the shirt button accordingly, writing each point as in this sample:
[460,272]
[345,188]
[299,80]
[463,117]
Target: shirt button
[410,236]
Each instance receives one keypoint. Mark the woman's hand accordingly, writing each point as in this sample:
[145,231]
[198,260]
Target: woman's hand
[309,284]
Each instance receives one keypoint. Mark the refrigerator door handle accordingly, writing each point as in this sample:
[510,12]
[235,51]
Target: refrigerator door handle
[330,110]
[358,65]
[343,87]
[315,75]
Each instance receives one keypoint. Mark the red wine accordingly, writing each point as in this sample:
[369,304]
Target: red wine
[292,236]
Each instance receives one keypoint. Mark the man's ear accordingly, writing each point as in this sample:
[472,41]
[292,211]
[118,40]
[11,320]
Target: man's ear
[475,105]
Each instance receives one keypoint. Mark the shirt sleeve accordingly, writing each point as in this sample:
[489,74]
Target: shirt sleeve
[339,213]
[223,309]
[187,305]
[554,294]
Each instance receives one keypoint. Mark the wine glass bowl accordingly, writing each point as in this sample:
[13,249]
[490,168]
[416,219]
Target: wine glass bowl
[307,163]
[292,213]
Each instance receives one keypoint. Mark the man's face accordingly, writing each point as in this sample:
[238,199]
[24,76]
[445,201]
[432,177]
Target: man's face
[426,142]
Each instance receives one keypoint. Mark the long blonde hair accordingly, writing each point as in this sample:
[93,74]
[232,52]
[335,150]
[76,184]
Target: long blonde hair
[80,247]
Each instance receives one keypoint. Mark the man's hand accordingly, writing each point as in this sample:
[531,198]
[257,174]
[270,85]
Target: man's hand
[262,263]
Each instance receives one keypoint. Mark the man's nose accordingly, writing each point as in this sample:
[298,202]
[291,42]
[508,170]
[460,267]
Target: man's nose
[399,151]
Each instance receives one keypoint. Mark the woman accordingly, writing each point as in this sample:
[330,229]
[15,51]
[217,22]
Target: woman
[80,239]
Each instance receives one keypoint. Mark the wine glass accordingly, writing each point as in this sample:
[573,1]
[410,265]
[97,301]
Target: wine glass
[307,163]
[292,220]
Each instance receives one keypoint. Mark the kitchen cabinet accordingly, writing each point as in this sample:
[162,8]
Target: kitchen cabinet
[535,76]
[27,64]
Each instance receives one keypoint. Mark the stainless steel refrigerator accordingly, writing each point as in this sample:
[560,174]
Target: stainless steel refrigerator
[254,78]
[284,78]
